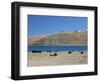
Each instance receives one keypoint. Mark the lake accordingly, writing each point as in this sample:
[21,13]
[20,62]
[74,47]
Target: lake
[56,48]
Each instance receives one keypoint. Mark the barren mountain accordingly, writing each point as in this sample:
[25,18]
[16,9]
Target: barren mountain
[64,38]
[35,38]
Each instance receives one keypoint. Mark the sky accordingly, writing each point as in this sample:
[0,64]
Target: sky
[48,25]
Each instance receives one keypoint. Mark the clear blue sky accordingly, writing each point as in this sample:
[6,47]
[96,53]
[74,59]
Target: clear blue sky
[41,25]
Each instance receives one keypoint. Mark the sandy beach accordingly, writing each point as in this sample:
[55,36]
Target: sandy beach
[62,58]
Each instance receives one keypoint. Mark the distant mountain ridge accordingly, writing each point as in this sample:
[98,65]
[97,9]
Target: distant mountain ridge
[34,38]
[64,38]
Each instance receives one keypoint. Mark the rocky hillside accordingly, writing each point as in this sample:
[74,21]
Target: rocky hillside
[35,38]
[64,38]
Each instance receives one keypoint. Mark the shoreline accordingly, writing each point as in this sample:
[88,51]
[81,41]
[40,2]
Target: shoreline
[59,45]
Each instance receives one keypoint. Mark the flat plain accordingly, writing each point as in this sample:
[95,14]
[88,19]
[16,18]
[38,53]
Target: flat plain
[62,58]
